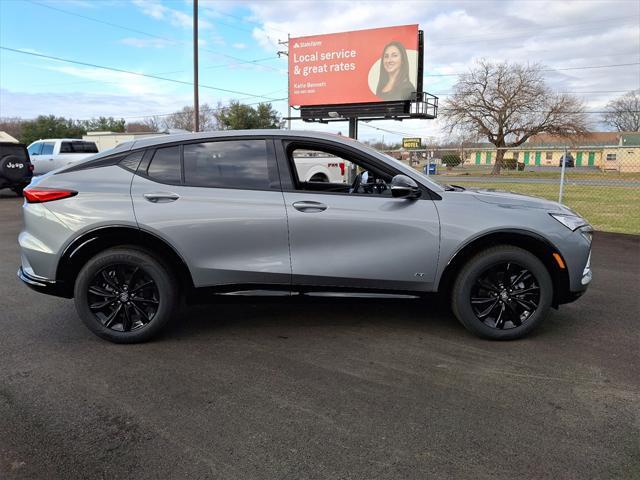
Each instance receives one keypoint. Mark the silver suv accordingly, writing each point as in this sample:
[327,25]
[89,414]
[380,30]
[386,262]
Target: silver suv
[129,232]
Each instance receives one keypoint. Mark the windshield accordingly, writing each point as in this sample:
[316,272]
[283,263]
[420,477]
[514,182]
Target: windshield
[403,166]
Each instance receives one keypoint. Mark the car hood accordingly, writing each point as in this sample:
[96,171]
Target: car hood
[511,199]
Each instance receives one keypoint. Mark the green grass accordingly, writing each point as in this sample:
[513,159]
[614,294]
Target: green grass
[610,209]
[575,173]
[569,173]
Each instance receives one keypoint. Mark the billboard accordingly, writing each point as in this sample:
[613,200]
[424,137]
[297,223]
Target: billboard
[365,66]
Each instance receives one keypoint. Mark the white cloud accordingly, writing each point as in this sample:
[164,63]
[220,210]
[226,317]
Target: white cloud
[239,45]
[117,81]
[157,10]
[147,42]
[87,105]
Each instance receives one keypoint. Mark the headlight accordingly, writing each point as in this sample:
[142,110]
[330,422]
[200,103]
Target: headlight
[572,222]
[587,233]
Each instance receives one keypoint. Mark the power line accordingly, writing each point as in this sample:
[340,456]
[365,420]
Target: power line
[218,109]
[171,113]
[81,82]
[141,32]
[520,33]
[568,112]
[386,130]
[445,94]
[546,69]
[120,70]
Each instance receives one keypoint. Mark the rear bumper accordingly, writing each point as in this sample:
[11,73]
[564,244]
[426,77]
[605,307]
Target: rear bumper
[43,285]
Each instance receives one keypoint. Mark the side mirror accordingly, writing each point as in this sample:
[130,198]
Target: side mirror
[404,187]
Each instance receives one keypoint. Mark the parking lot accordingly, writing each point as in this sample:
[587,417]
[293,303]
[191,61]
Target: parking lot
[323,389]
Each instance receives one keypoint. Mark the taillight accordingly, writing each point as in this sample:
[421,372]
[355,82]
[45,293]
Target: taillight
[31,167]
[42,194]
[342,168]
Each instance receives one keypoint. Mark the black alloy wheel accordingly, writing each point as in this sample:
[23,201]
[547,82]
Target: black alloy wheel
[123,297]
[126,294]
[502,293]
[505,296]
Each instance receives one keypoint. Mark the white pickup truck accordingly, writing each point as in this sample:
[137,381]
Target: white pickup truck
[52,153]
[324,168]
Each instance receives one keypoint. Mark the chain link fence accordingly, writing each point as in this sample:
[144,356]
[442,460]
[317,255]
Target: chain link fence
[601,183]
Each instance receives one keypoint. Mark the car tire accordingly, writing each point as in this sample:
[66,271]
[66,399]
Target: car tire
[503,279]
[134,282]
[18,191]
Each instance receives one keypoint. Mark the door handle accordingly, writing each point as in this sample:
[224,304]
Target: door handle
[309,207]
[161,197]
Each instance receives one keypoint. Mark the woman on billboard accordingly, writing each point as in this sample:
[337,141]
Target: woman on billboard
[394,83]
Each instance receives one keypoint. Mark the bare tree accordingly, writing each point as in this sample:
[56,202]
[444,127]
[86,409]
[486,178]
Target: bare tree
[508,103]
[12,125]
[139,127]
[623,113]
[183,119]
[154,124]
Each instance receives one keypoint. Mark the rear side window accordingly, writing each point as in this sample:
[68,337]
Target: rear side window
[228,164]
[35,149]
[131,161]
[165,165]
[78,147]
[47,148]
[15,149]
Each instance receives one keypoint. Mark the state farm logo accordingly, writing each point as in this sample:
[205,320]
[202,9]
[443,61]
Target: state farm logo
[315,43]
[15,165]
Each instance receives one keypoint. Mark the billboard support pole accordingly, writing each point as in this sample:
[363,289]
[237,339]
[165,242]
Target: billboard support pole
[196,101]
[353,127]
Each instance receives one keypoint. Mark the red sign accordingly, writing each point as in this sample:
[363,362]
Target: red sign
[364,66]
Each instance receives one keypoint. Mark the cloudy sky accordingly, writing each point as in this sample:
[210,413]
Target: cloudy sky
[591,49]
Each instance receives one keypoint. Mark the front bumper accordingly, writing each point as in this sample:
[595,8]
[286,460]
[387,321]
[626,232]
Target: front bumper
[586,273]
[43,285]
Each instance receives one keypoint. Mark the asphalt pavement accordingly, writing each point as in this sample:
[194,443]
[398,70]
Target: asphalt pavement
[323,389]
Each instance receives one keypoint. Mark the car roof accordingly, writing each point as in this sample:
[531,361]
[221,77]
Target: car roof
[62,140]
[181,137]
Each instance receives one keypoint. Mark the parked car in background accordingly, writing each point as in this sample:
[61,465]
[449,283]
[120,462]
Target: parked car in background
[568,160]
[16,170]
[132,230]
[52,153]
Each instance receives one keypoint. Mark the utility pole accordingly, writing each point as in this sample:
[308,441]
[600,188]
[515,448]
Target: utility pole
[196,102]
[286,52]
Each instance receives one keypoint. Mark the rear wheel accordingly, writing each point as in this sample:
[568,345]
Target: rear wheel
[502,293]
[125,295]
[319,178]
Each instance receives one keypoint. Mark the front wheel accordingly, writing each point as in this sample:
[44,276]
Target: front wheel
[502,293]
[125,295]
